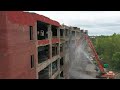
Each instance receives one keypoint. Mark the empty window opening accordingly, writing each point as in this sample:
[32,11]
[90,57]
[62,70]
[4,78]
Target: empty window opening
[44,74]
[61,47]
[61,32]
[31,32]
[73,33]
[61,61]
[42,30]
[66,32]
[75,27]
[54,31]
[32,61]
[54,49]
[54,67]
[61,74]
[43,53]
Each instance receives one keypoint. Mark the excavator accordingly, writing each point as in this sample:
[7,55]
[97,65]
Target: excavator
[102,74]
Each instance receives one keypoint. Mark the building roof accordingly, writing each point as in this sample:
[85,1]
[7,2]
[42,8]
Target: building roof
[27,18]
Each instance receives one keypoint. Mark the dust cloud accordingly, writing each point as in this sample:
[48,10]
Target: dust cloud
[81,66]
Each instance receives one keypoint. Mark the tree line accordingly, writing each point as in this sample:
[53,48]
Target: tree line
[108,49]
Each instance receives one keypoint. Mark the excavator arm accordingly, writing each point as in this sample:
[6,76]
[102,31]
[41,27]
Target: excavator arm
[94,53]
[100,66]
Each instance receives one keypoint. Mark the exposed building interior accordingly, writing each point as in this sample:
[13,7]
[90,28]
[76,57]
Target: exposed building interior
[73,34]
[61,48]
[54,31]
[54,66]
[44,74]
[61,62]
[43,53]
[54,49]
[47,45]
[42,30]
[61,75]
[61,33]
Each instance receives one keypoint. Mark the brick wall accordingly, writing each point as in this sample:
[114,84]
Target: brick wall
[15,50]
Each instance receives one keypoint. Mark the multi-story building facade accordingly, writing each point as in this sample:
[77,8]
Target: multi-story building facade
[33,46]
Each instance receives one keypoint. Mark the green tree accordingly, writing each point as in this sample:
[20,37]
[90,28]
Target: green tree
[116,61]
[108,48]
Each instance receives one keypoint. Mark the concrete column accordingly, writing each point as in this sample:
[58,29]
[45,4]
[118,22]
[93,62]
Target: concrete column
[64,61]
[50,70]
[50,49]
[50,40]
[58,32]
[64,33]
[70,50]
[36,56]
[35,31]
[58,35]
[49,32]
[75,37]
[58,62]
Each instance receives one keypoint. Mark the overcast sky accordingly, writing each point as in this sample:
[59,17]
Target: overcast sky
[96,22]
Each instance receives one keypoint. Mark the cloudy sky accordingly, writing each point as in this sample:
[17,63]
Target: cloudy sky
[96,22]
